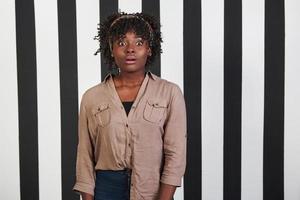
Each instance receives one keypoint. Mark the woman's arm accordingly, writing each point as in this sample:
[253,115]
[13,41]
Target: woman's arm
[174,146]
[86,196]
[85,172]
[166,192]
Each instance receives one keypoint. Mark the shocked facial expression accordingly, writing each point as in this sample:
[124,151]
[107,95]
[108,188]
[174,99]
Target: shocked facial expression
[130,52]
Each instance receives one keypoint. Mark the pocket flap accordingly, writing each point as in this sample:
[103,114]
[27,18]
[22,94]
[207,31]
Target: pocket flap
[103,107]
[157,103]
[101,113]
[100,108]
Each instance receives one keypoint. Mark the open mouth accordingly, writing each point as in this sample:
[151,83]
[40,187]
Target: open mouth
[130,60]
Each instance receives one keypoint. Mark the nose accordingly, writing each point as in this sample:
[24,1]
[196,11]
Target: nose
[130,48]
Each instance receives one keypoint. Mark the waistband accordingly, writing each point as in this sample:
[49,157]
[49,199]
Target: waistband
[126,170]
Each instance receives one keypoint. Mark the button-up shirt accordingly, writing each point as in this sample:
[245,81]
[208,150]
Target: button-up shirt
[151,140]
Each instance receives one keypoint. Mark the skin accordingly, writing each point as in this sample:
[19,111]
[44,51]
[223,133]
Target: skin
[128,83]
[86,196]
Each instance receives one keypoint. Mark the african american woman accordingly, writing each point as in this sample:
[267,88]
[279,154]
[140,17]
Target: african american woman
[132,126]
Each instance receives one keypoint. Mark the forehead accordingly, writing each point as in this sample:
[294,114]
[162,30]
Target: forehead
[128,35]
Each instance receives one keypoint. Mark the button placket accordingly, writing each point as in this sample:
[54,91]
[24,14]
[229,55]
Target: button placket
[128,145]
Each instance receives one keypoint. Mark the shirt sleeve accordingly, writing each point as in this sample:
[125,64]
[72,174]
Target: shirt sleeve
[175,140]
[85,171]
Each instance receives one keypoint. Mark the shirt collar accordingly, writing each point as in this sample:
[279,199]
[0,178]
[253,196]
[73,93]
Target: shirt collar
[153,76]
[149,73]
[107,77]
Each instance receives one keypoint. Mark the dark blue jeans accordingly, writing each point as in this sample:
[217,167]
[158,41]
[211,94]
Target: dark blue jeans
[112,185]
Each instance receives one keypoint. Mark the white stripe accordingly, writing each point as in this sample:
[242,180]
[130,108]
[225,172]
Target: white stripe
[212,99]
[252,99]
[89,73]
[89,66]
[49,129]
[9,143]
[172,46]
[130,6]
[292,102]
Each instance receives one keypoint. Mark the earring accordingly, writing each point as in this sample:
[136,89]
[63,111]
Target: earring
[150,53]
[119,70]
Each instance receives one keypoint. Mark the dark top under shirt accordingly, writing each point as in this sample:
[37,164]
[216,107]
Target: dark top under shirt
[127,106]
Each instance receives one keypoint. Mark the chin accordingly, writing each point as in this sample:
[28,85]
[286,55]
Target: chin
[131,69]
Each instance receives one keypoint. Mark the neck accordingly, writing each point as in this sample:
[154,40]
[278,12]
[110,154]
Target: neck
[125,78]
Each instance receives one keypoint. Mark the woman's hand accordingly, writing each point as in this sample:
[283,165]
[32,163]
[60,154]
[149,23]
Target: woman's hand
[166,192]
[86,196]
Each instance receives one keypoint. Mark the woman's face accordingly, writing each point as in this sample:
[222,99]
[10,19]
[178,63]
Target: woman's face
[130,53]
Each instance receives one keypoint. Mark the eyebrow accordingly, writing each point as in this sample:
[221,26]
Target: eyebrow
[137,38]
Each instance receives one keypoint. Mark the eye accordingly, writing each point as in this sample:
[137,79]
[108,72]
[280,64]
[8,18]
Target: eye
[139,42]
[121,43]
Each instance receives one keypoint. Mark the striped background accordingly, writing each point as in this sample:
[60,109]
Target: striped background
[237,62]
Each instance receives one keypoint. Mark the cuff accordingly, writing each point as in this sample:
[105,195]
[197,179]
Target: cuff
[84,187]
[171,180]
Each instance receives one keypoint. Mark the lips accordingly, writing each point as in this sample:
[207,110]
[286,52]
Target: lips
[130,60]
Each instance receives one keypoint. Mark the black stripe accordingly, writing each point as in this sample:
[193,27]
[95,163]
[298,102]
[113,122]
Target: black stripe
[107,7]
[273,165]
[192,93]
[27,99]
[232,98]
[68,94]
[153,8]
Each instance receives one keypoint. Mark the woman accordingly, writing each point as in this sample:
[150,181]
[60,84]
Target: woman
[132,126]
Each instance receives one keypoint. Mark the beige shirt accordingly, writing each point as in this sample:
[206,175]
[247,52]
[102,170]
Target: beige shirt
[151,140]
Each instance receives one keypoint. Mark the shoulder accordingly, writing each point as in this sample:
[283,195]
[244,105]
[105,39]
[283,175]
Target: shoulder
[94,92]
[166,85]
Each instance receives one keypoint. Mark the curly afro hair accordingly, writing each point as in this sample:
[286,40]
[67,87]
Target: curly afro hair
[118,24]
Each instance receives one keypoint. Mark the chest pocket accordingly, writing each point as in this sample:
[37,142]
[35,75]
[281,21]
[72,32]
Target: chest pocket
[102,114]
[155,110]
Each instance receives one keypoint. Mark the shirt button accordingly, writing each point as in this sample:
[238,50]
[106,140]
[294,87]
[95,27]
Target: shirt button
[126,125]
[129,144]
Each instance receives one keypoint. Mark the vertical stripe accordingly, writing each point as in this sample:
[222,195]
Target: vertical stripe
[107,7]
[292,100]
[130,6]
[89,72]
[252,99]
[232,98]
[48,100]
[192,93]
[68,94]
[153,8]
[9,173]
[274,100]
[27,99]
[172,58]
[212,99]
